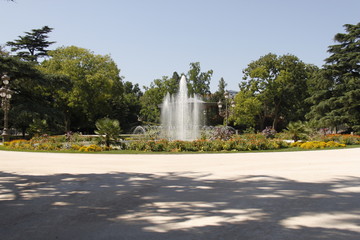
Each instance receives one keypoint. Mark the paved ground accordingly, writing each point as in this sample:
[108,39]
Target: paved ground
[293,195]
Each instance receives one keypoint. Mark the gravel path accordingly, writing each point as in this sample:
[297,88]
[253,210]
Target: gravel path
[280,195]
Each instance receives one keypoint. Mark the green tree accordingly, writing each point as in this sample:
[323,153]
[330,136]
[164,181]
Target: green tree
[212,115]
[92,82]
[247,110]
[126,107]
[3,51]
[154,96]
[108,129]
[336,91]
[279,83]
[33,45]
[31,99]
[198,82]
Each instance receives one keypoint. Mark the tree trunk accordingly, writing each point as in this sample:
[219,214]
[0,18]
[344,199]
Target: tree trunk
[66,123]
[276,116]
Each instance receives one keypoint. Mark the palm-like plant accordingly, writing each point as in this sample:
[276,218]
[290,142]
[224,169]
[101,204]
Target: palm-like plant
[108,129]
[298,130]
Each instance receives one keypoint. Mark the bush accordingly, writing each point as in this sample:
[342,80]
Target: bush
[347,139]
[319,144]
[244,142]
[269,132]
[108,130]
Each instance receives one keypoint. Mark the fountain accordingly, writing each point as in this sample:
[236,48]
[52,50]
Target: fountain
[180,115]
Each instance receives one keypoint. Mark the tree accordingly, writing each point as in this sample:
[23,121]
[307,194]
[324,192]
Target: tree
[279,83]
[3,51]
[247,110]
[336,95]
[92,82]
[33,45]
[126,106]
[212,114]
[198,82]
[108,129]
[154,96]
[31,99]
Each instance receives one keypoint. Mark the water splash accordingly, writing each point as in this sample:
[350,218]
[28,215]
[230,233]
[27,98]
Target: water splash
[181,115]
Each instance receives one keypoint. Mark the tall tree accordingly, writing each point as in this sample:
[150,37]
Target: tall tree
[154,96]
[198,82]
[280,84]
[31,99]
[126,107]
[212,114]
[336,97]
[33,45]
[92,81]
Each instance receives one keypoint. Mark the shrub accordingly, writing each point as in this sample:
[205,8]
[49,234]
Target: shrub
[319,144]
[108,130]
[91,148]
[298,130]
[347,139]
[269,132]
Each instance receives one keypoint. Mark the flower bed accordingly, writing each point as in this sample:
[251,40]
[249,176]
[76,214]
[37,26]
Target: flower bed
[238,143]
[317,144]
[52,143]
[347,139]
[244,142]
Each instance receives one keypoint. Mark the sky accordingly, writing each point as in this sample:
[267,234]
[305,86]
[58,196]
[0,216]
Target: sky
[149,39]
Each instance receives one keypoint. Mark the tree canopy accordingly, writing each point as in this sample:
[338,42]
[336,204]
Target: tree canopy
[336,92]
[92,80]
[73,87]
[273,91]
[33,45]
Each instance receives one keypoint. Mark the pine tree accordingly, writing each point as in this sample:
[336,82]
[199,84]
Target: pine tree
[33,45]
[337,96]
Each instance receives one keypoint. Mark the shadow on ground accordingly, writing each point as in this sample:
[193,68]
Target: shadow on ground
[176,206]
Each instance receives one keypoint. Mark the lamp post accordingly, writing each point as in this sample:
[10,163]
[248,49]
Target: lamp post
[5,94]
[226,112]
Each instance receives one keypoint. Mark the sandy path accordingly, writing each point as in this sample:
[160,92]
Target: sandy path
[281,195]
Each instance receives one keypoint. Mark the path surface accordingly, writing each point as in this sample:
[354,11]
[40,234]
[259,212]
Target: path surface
[281,195]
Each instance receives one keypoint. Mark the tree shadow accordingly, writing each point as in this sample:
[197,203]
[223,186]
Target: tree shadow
[185,205]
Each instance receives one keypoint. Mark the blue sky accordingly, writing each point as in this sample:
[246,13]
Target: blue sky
[149,39]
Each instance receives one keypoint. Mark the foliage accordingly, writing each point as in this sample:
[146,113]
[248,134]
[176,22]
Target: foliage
[38,127]
[108,130]
[222,133]
[244,142]
[126,106]
[269,132]
[212,114]
[275,88]
[347,139]
[33,45]
[154,95]
[93,81]
[32,98]
[54,143]
[317,144]
[298,130]
[247,109]
[198,82]
[336,90]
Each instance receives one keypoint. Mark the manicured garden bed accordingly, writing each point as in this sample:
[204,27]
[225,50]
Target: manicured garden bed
[237,143]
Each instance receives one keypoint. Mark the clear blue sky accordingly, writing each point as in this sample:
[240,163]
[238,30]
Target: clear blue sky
[152,38]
